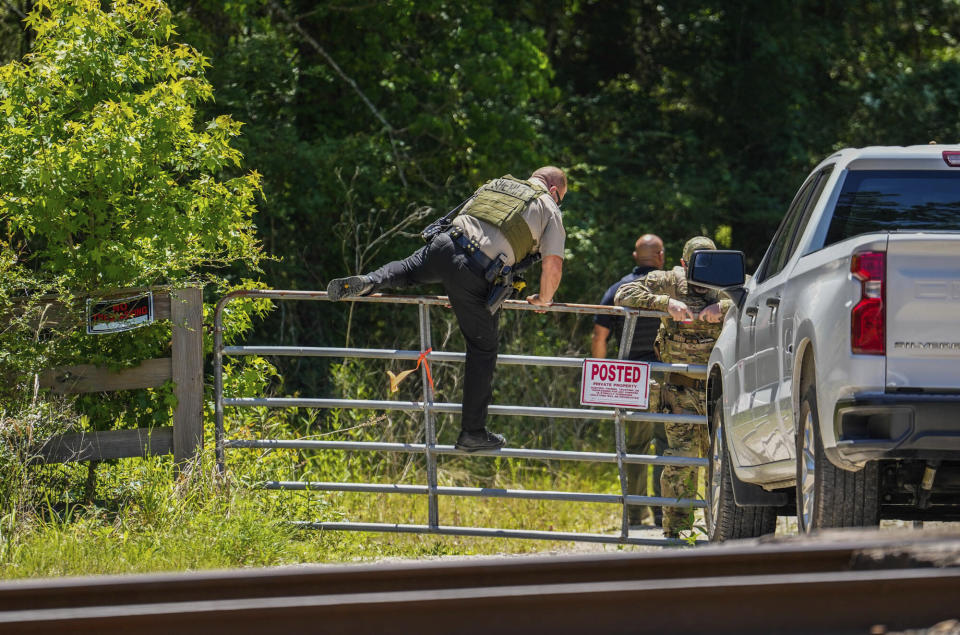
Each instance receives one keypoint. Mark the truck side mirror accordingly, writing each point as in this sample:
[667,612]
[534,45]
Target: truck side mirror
[716,269]
[720,269]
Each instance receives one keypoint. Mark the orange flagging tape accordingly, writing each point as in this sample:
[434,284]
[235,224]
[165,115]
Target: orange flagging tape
[396,379]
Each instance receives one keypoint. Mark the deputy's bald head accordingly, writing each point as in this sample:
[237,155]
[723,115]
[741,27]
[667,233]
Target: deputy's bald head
[648,251]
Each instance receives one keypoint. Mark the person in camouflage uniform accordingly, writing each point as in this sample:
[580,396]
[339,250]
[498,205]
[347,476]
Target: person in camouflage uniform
[648,254]
[685,337]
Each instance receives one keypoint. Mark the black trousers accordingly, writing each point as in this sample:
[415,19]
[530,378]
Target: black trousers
[444,262]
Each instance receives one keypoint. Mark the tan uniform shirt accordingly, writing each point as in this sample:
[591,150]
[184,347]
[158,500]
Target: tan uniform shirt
[546,226]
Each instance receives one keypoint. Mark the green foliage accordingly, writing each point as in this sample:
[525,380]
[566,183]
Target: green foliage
[367,119]
[22,427]
[107,182]
[454,90]
[14,41]
[146,519]
[149,520]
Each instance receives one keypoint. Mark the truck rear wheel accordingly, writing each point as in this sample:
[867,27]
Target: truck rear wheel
[828,496]
[726,521]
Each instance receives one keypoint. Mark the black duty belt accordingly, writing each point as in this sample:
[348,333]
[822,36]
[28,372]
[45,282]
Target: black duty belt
[481,263]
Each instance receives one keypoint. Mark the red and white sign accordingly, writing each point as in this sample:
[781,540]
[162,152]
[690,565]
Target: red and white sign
[615,382]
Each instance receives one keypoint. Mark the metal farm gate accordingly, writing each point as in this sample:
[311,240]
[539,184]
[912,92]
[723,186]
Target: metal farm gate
[429,408]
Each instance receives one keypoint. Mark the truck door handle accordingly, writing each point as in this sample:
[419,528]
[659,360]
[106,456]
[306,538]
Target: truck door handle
[773,303]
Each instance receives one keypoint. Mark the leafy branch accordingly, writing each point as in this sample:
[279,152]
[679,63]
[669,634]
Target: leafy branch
[353,84]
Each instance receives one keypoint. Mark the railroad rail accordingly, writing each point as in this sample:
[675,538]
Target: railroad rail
[852,585]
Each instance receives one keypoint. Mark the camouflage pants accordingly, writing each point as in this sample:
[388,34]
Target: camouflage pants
[684,439]
[639,435]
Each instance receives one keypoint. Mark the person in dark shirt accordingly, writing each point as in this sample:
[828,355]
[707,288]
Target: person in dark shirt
[648,254]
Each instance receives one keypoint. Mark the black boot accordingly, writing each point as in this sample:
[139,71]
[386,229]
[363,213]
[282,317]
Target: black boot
[479,440]
[349,287]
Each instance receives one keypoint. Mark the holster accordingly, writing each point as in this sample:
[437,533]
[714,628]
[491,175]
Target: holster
[508,284]
[499,294]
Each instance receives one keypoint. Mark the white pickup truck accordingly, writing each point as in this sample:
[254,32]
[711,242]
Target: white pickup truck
[834,388]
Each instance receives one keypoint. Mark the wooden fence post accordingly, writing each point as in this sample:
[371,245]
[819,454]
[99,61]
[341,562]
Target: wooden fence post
[186,315]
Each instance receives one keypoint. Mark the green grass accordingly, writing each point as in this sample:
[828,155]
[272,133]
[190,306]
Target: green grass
[147,519]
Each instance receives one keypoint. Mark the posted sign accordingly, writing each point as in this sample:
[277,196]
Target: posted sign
[615,382]
[119,314]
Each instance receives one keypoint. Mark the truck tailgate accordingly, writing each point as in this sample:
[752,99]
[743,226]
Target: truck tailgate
[923,311]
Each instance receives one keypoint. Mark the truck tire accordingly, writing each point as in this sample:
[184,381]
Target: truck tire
[726,521]
[828,496]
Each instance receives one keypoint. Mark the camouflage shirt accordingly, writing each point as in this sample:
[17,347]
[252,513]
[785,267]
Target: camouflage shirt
[680,342]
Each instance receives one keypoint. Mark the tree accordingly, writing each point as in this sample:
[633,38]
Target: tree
[105,178]
[107,181]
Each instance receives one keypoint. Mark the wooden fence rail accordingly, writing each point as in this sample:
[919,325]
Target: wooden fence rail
[184,308]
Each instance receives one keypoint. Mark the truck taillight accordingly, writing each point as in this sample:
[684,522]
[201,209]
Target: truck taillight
[952,158]
[867,332]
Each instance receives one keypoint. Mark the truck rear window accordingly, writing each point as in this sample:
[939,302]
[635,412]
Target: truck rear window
[896,200]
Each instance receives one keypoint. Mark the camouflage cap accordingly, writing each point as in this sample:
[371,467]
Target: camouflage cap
[696,243]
